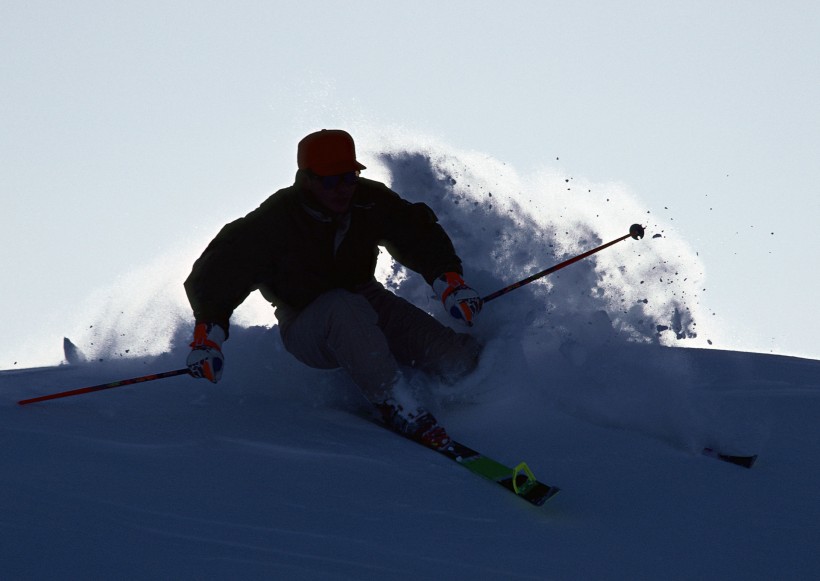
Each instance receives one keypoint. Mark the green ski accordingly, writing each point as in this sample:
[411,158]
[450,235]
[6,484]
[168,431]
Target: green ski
[519,480]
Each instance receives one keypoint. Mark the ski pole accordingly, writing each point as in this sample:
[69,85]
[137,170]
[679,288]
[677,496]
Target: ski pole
[120,383]
[635,231]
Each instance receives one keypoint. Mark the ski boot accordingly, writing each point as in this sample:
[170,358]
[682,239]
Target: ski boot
[419,425]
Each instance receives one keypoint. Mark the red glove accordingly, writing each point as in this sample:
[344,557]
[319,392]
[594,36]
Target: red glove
[206,359]
[459,300]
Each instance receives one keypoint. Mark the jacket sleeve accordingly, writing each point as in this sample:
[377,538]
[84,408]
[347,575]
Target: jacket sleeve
[416,240]
[227,272]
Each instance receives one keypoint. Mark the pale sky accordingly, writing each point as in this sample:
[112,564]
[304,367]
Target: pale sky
[129,130]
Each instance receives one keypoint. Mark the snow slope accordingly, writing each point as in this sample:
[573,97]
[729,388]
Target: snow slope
[272,475]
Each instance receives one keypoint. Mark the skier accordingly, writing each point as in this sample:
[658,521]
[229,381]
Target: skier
[311,249]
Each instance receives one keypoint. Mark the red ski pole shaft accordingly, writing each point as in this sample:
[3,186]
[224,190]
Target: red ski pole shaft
[120,383]
[636,231]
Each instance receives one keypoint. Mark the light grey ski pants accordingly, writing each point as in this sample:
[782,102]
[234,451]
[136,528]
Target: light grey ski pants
[370,333]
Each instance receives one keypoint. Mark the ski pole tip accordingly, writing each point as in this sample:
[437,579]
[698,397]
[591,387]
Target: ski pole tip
[636,231]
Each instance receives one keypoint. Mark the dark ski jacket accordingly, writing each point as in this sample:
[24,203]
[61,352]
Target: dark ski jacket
[292,251]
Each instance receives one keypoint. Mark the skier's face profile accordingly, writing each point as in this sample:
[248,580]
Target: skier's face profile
[335,192]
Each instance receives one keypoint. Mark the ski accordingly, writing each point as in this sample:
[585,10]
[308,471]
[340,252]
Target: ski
[745,461]
[519,480]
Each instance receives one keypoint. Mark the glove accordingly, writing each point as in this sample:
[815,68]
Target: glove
[459,300]
[206,359]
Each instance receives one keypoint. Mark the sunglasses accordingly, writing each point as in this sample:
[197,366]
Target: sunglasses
[332,182]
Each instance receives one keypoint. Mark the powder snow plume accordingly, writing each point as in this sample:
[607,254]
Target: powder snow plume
[507,227]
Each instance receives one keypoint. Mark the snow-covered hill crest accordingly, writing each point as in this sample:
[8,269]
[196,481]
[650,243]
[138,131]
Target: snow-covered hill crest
[271,474]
